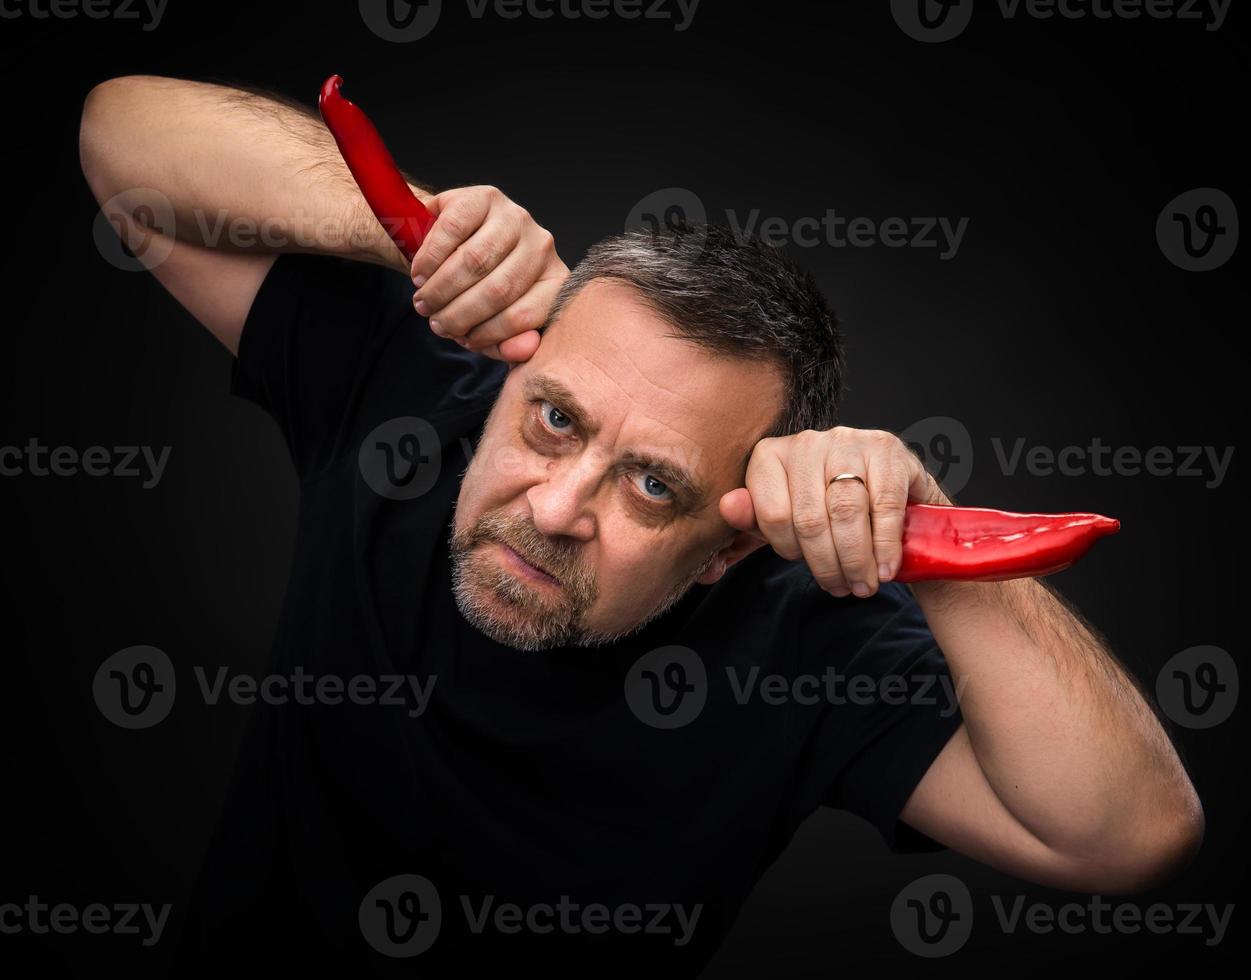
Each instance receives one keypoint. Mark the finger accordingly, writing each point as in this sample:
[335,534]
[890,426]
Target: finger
[481,300]
[527,313]
[519,348]
[771,503]
[847,503]
[459,213]
[889,479]
[805,472]
[736,510]
[474,261]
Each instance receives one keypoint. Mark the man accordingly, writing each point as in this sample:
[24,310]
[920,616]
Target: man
[623,703]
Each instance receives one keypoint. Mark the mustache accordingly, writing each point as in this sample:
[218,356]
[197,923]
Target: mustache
[530,543]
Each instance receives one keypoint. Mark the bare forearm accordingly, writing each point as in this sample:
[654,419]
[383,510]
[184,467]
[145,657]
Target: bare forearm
[1062,734]
[240,171]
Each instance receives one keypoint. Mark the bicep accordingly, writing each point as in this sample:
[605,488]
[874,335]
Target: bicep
[215,286]
[956,805]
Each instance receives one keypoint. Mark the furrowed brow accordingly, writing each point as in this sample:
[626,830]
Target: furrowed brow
[546,387]
[677,477]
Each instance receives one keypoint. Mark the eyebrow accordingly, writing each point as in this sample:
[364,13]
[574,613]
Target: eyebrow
[547,388]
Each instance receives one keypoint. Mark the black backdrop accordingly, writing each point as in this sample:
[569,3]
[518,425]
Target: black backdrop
[1060,319]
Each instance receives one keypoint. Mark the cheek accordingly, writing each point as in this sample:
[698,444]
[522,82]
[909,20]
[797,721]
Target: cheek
[502,466]
[632,566]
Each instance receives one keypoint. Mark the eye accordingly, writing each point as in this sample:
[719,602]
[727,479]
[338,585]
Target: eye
[553,417]
[653,489]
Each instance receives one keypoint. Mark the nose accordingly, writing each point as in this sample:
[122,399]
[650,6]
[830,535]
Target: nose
[561,500]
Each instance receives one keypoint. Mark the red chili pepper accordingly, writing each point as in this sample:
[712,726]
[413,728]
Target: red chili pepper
[977,544]
[386,191]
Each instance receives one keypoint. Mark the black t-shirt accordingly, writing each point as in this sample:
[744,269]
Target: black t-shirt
[570,792]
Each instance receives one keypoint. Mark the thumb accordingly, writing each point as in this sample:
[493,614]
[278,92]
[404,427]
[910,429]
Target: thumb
[737,511]
[520,347]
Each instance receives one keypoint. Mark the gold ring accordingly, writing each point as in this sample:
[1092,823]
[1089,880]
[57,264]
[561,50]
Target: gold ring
[848,476]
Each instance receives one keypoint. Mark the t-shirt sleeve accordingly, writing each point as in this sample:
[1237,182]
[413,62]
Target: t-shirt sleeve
[890,709]
[315,328]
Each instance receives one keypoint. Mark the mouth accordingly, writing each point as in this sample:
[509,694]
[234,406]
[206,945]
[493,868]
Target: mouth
[528,568]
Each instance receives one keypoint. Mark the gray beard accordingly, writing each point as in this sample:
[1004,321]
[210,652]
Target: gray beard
[536,624]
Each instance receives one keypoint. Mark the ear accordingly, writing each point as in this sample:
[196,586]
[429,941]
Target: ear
[740,546]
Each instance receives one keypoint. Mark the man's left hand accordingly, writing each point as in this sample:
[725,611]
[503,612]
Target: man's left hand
[849,532]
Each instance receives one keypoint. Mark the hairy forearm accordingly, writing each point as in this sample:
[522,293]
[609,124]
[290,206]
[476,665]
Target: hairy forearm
[240,170]
[1065,738]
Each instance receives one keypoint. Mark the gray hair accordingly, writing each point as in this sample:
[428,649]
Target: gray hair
[734,296]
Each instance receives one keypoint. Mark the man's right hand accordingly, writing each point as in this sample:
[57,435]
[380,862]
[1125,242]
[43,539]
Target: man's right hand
[487,273]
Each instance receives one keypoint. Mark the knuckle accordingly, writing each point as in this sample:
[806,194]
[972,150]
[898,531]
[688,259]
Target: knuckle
[499,290]
[843,507]
[771,518]
[455,224]
[518,318]
[479,258]
[810,524]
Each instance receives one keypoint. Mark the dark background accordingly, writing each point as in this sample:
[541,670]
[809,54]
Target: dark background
[1059,320]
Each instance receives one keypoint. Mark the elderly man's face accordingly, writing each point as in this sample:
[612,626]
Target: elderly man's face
[602,463]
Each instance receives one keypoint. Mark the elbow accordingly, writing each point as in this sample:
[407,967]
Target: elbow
[1175,840]
[102,106]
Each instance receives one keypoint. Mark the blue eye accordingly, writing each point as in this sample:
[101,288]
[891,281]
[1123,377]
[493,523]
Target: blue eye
[653,489]
[554,416]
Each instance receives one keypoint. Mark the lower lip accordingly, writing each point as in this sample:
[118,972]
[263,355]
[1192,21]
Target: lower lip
[525,568]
